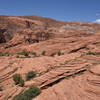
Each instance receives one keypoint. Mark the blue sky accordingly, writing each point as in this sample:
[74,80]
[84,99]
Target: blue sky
[67,10]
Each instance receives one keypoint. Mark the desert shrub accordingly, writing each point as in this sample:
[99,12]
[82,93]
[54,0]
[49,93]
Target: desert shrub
[44,53]
[21,83]
[91,53]
[4,54]
[24,53]
[18,80]
[30,93]
[30,75]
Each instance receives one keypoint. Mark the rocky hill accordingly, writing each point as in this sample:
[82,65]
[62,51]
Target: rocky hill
[64,56]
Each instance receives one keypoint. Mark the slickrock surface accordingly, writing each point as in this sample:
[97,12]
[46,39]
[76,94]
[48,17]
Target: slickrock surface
[74,74]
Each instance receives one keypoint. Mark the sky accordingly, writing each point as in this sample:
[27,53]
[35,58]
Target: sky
[67,10]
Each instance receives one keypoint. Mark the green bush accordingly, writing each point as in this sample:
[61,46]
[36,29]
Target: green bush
[18,80]
[24,53]
[27,54]
[30,75]
[21,83]
[30,93]
[4,54]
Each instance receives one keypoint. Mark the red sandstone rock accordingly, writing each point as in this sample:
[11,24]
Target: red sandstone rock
[74,75]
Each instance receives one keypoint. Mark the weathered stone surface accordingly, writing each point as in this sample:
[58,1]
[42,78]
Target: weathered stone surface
[68,70]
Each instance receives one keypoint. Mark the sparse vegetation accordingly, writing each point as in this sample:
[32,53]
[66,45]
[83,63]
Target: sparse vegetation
[30,93]
[59,53]
[21,83]
[91,53]
[18,80]
[30,75]
[24,53]
[4,54]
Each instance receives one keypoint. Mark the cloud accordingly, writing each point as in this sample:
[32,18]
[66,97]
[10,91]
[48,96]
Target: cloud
[97,21]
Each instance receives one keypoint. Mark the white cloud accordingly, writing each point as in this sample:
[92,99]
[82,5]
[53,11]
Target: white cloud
[97,21]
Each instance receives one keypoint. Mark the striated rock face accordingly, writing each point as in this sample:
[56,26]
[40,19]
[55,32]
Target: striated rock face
[66,59]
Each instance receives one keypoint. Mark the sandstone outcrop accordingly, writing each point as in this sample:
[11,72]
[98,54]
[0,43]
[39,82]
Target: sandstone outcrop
[66,57]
